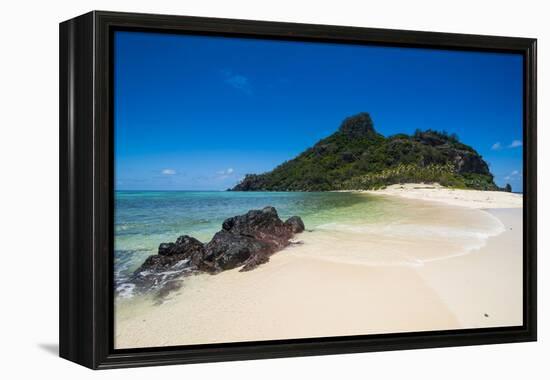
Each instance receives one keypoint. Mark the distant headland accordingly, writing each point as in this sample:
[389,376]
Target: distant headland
[356,157]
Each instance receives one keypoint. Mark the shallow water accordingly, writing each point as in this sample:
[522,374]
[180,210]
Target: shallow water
[144,219]
[414,233]
[344,227]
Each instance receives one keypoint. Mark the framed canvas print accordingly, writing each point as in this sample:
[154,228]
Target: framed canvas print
[236,189]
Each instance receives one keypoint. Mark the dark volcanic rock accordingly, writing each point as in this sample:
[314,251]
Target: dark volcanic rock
[245,240]
[249,240]
[185,248]
[190,248]
[263,225]
[227,250]
[254,261]
[296,224]
[165,249]
[172,260]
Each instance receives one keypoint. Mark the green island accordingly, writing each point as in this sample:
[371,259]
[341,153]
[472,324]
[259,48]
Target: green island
[356,157]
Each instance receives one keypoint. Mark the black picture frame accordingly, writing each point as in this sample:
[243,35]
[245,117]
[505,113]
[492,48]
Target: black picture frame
[86,190]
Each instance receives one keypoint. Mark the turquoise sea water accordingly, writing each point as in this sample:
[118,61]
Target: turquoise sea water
[144,219]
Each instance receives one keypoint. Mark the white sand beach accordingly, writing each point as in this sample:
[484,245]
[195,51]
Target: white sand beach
[455,197]
[454,261]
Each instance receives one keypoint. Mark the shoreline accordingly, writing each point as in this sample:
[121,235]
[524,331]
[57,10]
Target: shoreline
[469,198]
[355,279]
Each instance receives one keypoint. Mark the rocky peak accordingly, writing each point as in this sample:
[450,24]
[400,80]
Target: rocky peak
[357,126]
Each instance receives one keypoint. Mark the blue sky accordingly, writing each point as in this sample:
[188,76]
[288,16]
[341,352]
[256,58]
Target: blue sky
[199,112]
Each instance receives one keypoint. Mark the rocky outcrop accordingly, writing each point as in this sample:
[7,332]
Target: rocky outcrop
[469,162]
[185,249]
[227,251]
[250,182]
[248,240]
[173,259]
[357,126]
[263,225]
[244,241]
[295,224]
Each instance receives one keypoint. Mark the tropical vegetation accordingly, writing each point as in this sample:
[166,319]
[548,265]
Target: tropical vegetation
[357,157]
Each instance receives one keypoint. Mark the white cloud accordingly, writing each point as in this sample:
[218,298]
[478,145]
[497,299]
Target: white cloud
[237,81]
[226,172]
[513,144]
[496,146]
[168,172]
[515,175]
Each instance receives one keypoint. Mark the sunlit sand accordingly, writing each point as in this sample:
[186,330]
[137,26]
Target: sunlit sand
[452,261]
